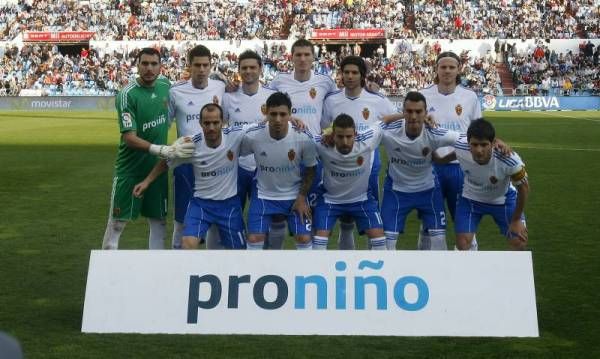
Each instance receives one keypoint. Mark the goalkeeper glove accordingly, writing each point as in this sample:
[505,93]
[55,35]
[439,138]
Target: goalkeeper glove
[183,147]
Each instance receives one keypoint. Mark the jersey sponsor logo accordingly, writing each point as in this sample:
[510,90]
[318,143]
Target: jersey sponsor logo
[237,110]
[365,113]
[240,123]
[230,155]
[360,160]
[452,126]
[291,155]
[410,163]
[425,151]
[218,172]
[162,119]
[458,109]
[304,110]
[278,169]
[493,179]
[192,117]
[215,100]
[312,93]
[354,173]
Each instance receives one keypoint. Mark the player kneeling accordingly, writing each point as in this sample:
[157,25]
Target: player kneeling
[215,165]
[346,171]
[489,187]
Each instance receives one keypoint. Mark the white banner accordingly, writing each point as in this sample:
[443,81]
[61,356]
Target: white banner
[408,293]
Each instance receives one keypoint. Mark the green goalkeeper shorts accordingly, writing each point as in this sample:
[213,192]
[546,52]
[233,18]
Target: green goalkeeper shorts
[124,206]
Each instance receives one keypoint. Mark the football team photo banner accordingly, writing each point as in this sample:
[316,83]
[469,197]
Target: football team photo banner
[400,293]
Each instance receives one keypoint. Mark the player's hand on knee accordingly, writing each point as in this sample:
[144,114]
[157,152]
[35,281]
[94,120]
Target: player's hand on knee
[140,188]
[517,230]
[302,208]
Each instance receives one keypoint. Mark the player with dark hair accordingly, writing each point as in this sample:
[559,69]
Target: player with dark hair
[142,110]
[282,185]
[186,99]
[489,187]
[366,108]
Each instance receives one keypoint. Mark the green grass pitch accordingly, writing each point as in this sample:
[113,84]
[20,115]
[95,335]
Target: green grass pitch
[55,177]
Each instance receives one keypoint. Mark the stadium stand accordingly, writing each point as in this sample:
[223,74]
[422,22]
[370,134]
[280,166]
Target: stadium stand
[266,19]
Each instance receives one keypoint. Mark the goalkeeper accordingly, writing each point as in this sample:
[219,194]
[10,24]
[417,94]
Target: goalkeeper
[142,109]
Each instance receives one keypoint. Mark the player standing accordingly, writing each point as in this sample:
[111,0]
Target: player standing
[142,110]
[186,99]
[280,153]
[410,183]
[346,172]
[215,165]
[246,106]
[453,107]
[488,187]
[366,108]
[307,91]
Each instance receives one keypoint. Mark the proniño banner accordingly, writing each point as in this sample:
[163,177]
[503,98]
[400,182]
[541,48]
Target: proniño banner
[546,103]
[400,293]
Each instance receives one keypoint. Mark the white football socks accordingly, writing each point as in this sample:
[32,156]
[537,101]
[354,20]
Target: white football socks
[158,233]
[114,229]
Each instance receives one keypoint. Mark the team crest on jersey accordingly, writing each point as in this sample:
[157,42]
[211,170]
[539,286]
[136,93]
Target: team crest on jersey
[360,160]
[215,100]
[116,211]
[263,109]
[312,92]
[493,179]
[458,109]
[230,155]
[165,102]
[291,155]
[366,113]
[425,151]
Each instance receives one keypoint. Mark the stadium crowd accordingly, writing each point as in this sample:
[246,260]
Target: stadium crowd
[236,19]
[103,71]
[539,71]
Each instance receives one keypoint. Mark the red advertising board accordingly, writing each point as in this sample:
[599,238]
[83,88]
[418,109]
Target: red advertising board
[57,36]
[348,34]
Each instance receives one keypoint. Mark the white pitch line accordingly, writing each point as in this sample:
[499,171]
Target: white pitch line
[559,148]
[577,118]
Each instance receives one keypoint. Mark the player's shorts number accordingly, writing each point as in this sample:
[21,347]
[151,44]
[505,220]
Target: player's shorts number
[443,218]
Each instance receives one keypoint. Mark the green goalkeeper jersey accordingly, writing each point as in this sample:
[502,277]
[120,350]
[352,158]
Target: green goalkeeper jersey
[146,111]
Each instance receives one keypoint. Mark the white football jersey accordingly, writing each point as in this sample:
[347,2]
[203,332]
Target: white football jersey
[215,169]
[186,101]
[346,177]
[241,109]
[307,96]
[278,162]
[487,183]
[454,111]
[409,160]
[366,109]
